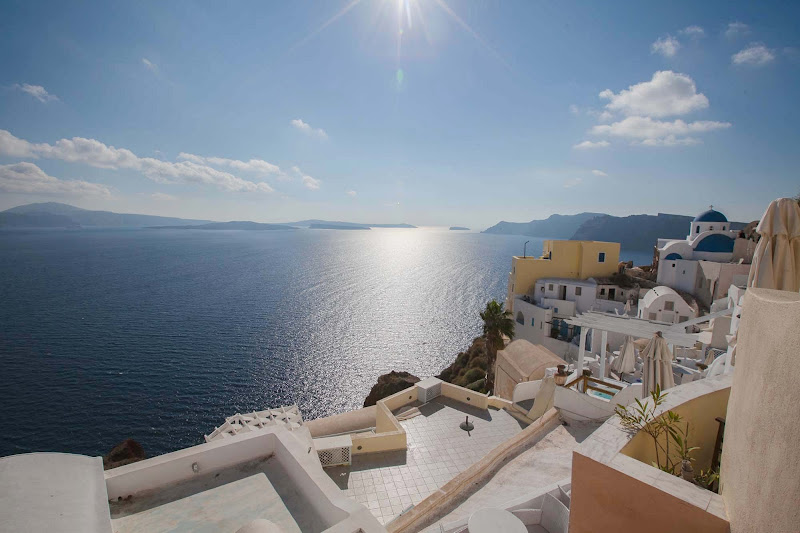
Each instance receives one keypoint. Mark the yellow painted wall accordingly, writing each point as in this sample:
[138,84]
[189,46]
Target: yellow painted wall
[701,415]
[568,259]
[469,397]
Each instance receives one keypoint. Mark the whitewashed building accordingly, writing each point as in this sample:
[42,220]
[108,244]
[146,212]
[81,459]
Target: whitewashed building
[707,261]
[663,304]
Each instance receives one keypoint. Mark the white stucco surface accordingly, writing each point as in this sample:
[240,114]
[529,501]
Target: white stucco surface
[50,492]
[545,463]
[760,475]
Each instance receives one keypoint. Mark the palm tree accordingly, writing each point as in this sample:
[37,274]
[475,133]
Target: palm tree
[496,323]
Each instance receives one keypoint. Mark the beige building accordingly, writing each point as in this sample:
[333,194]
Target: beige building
[561,259]
[521,361]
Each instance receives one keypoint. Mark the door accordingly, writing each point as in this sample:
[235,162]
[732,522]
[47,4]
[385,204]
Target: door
[612,294]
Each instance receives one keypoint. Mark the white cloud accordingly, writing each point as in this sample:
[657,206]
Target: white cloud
[37,91]
[163,197]
[667,93]
[599,173]
[308,130]
[96,154]
[256,166]
[666,46]
[311,183]
[27,178]
[587,145]
[574,109]
[694,32]
[655,132]
[756,54]
[351,194]
[149,65]
[572,182]
[737,29]
[13,147]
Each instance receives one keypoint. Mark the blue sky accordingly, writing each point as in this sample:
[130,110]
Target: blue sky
[433,112]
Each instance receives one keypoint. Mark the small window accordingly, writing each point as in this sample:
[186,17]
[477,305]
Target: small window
[669,306]
[711,228]
[531,321]
[723,228]
[520,318]
[602,292]
[577,291]
[673,265]
[541,289]
[601,257]
[652,316]
[550,287]
[698,229]
[555,310]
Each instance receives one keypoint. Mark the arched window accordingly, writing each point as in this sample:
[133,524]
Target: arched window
[698,229]
[520,318]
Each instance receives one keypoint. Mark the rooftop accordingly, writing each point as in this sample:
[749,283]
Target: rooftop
[388,483]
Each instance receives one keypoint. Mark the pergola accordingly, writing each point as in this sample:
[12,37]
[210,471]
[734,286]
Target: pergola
[635,327]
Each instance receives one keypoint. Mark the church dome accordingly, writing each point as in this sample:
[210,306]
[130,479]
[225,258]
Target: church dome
[711,216]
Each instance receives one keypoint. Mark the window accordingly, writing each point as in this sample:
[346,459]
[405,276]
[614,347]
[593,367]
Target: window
[577,291]
[555,309]
[601,257]
[723,228]
[652,316]
[550,287]
[711,228]
[673,265]
[669,306]
[531,321]
[541,289]
[602,292]
[520,318]
[698,229]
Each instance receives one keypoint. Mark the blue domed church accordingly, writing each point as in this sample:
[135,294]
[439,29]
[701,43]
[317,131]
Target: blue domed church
[707,261]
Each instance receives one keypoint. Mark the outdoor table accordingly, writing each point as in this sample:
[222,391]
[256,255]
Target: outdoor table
[495,521]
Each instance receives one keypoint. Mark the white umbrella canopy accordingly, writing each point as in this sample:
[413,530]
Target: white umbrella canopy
[776,262]
[626,362]
[657,369]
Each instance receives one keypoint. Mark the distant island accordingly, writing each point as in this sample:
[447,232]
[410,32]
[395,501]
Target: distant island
[58,215]
[312,223]
[634,232]
[235,225]
[458,228]
[338,226]
[553,227]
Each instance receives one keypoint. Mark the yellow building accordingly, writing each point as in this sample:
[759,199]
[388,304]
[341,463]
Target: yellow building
[562,259]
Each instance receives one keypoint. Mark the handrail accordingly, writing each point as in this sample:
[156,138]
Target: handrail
[589,379]
[604,383]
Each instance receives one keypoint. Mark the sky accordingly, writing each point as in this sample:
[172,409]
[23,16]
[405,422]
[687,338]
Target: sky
[430,112]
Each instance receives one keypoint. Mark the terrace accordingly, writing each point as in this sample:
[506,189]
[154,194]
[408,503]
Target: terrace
[438,450]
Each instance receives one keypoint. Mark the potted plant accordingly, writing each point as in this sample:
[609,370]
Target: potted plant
[561,375]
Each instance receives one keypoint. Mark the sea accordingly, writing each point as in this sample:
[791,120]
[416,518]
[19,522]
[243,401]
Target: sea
[158,335]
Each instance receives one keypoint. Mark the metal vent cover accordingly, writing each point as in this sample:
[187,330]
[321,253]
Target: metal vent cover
[334,456]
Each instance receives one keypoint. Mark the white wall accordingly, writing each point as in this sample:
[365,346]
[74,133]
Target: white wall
[679,274]
[541,321]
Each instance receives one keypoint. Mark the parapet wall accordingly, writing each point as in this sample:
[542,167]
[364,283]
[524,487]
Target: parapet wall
[760,478]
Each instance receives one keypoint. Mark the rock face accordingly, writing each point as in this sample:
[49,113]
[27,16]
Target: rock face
[126,452]
[469,368]
[389,384]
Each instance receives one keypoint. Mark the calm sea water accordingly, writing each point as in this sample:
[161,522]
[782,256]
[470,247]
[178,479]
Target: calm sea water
[159,335]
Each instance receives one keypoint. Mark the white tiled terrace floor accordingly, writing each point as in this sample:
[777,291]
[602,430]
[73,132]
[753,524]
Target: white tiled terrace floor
[438,450]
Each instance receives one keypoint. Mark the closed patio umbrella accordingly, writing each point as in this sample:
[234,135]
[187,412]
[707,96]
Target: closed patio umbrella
[626,362]
[657,368]
[776,262]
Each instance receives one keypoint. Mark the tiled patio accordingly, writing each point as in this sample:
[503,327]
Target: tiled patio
[438,450]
